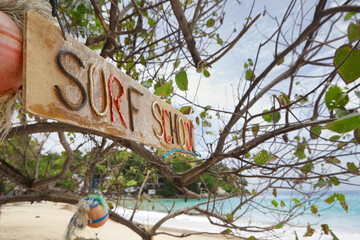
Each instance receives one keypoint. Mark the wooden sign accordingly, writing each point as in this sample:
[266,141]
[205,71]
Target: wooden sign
[68,82]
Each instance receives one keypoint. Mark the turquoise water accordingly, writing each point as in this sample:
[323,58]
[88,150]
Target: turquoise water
[332,214]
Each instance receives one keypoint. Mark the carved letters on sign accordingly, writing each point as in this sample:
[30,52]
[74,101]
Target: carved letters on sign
[68,82]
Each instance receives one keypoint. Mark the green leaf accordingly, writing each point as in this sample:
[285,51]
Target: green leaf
[295,200]
[345,206]
[210,22]
[185,110]
[131,183]
[274,192]
[267,117]
[144,35]
[341,112]
[282,204]
[352,167]
[226,231]
[252,238]
[303,100]
[206,73]
[177,63]
[278,226]
[182,80]
[249,75]
[151,21]
[296,236]
[321,183]
[308,167]
[251,63]
[335,181]
[334,138]
[164,90]
[335,98]
[332,160]
[230,217]
[353,32]
[275,204]
[300,151]
[315,132]
[325,228]
[333,235]
[345,124]
[340,197]
[349,15]
[314,209]
[309,231]
[277,117]
[219,40]
[263,157]
[330,199]
[197,120]
[284,100]
[350,70]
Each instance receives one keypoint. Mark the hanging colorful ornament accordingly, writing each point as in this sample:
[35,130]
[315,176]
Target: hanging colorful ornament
[92,211]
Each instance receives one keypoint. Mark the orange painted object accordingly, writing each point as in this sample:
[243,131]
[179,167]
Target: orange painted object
[11,58]
[96,213]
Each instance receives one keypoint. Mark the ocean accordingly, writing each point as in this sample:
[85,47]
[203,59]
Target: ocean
[345,225]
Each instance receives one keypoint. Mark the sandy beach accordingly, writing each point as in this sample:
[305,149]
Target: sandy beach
[48,221]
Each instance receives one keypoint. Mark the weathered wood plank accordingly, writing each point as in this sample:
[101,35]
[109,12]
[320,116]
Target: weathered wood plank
[45,51]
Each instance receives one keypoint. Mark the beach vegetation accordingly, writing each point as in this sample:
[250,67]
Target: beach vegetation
[273,96]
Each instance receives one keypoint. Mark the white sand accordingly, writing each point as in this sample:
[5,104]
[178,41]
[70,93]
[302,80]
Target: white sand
[48,221]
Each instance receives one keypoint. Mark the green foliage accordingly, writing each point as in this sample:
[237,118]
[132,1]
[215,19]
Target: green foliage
[271,117]
[219,40]
[335,98]
[210,22]
[164,90]
[352,167]
[345,124]
[206,73]
[353,32]
[315,131]
[303,99]
[325,228]
[278,226]
[309,231]
[314,209]
[332,160]
[349,15]
[275,204]
[300,149]
[181,80]
[249,74]
[284,100]
[334,236]
[263,157]
[350,69]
